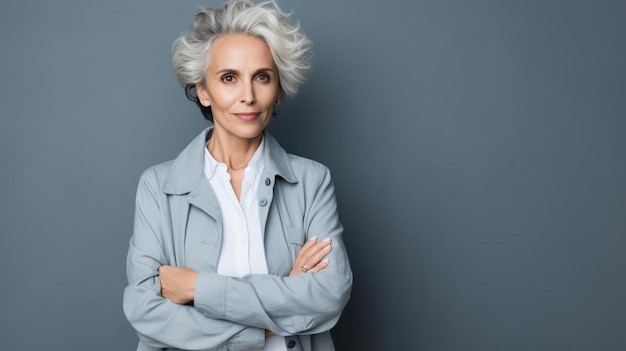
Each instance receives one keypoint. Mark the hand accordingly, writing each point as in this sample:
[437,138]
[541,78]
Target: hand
[311,256]
[178,284]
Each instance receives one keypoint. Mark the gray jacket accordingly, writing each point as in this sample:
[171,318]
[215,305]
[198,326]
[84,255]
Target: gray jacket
[178,222]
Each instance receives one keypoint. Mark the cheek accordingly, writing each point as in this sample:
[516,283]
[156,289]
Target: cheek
[270,95]
[223,97]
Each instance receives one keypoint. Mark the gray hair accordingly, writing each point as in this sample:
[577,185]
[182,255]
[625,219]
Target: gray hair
[290,48]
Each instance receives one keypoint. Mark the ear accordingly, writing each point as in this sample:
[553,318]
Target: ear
[203,95]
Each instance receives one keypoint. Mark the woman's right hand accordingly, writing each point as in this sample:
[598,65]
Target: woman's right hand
[311,256]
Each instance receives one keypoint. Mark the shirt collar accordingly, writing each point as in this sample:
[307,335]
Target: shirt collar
[255,164]
[187,170]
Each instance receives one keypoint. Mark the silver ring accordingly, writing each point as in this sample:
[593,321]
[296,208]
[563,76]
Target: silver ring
[304,269]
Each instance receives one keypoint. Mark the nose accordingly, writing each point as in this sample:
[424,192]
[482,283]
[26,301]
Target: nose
[247,94]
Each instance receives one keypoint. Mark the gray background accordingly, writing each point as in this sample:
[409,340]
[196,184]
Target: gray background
[477,148]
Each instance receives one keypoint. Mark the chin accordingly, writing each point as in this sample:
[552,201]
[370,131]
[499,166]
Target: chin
[250,134]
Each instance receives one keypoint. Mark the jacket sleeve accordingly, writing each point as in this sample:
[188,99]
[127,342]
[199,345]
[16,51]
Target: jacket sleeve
[159,322]
[302,304]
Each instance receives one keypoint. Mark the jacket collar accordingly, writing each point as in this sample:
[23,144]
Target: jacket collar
[187,171]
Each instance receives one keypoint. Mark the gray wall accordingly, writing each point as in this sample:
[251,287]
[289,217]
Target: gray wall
[477,147]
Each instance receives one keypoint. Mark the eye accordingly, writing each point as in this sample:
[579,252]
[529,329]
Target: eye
[228,78]
[263,77]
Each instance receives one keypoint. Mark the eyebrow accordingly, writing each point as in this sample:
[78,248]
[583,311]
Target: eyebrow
[230,70]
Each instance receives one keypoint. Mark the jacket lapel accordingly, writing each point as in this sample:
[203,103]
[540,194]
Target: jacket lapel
[186,177]
[203,197]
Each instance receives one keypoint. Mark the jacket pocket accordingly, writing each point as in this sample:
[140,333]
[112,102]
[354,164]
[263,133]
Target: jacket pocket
[202,242]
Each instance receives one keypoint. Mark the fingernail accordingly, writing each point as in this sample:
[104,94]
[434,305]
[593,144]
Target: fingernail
[325,260]
[313,238]
[326,240]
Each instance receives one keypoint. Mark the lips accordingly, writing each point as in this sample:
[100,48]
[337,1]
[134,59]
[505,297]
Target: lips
[247,116]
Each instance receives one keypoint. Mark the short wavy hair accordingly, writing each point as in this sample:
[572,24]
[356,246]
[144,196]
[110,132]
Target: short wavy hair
[290,48]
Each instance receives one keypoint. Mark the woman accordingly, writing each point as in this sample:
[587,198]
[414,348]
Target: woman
[237,244]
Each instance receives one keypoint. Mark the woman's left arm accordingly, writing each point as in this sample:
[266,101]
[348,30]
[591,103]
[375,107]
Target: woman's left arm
[300,304]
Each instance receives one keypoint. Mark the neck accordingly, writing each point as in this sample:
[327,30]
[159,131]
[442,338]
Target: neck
[234,152]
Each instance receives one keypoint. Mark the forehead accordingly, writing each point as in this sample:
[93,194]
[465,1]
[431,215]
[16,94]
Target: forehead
[239,51]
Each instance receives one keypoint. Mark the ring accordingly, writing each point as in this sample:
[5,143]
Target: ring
[304,269]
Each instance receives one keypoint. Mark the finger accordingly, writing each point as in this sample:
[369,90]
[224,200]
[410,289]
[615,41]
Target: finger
[311,254]
[309,243]
[321,246]
[314,260]
[303,254]
[309,249]
[323,264]
[318,250]
[316,247]
[317,257]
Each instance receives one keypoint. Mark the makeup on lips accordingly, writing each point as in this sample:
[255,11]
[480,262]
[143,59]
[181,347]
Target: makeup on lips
[247,116]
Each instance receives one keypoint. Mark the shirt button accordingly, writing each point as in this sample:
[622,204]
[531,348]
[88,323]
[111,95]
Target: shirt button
[291,344]
[263,202]
[268,181]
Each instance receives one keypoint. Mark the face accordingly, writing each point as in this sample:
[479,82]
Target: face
[241,86]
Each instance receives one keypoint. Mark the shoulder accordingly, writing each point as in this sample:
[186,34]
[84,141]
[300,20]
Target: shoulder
[156,175]
[305,165]
[309,172]
[292,168]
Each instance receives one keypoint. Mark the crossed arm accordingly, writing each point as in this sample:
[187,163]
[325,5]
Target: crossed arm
[178,284]
[228,312]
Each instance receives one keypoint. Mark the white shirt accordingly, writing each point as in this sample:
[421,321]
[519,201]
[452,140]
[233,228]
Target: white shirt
[243,251]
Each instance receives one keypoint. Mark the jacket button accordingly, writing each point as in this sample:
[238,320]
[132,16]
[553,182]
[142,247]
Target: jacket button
[268,181]
[263,202]
[291,344]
